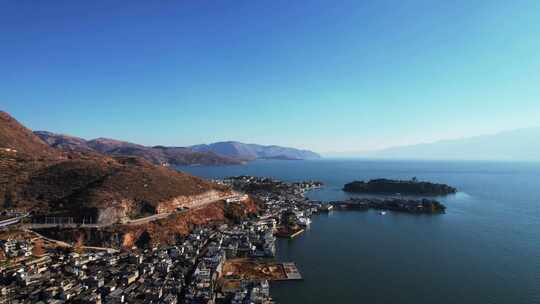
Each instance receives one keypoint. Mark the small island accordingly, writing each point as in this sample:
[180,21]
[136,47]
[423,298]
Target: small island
[388,186]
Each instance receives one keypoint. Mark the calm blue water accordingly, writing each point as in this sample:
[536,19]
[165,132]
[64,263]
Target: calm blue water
[486,249]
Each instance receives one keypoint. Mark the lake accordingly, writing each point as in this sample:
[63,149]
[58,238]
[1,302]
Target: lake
[485,249]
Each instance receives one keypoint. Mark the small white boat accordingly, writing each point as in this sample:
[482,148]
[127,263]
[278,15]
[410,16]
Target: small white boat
[382,213]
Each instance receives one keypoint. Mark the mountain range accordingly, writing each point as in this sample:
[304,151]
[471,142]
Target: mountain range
[242,151]
[520,145]
[222,153]
[160,155]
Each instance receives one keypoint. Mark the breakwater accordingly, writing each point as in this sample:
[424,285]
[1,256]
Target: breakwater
[426,206]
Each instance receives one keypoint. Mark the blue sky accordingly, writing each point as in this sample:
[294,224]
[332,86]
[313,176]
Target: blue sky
[324,75]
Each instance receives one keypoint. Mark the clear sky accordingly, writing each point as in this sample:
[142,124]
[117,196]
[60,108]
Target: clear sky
[325,75]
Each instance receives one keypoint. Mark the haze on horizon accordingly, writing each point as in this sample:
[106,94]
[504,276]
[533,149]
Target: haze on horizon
[321,75]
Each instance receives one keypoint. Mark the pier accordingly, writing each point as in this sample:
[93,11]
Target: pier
[289,234]
[291,271]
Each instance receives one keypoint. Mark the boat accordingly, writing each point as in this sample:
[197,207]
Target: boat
[304,221]
[382,213]
[326,207]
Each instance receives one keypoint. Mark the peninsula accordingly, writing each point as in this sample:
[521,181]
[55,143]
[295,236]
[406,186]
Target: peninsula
[389,186]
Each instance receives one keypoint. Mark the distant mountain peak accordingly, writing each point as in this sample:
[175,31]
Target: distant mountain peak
[239,150]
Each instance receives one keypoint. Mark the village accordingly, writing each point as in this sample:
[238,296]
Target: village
[226,263]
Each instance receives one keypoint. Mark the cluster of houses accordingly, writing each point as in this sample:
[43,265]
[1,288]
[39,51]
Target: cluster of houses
[14,248]
[253,292]
[284,202]
[60,276]
[249,239]
[184,273]
[187,272]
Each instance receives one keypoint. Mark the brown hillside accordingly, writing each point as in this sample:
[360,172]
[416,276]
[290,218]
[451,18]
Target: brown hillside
[124,186]
[64,142]
[164,231]
[14,136]
[84,184]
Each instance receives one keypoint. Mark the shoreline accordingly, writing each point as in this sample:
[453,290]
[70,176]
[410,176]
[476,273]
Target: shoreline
[199,259]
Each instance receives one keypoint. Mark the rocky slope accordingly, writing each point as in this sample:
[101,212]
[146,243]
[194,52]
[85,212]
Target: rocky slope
[159,155]
[36,177]
[64,142]
[238,150]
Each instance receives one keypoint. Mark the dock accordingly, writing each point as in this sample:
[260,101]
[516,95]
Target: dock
[289,234]
[297,233]
[291,271]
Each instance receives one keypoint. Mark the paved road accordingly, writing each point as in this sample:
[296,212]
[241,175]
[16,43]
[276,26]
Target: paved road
[65,244]
[29,227]
[134,222]
[12,221]
[42,226]
[165,215]
[151,218]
